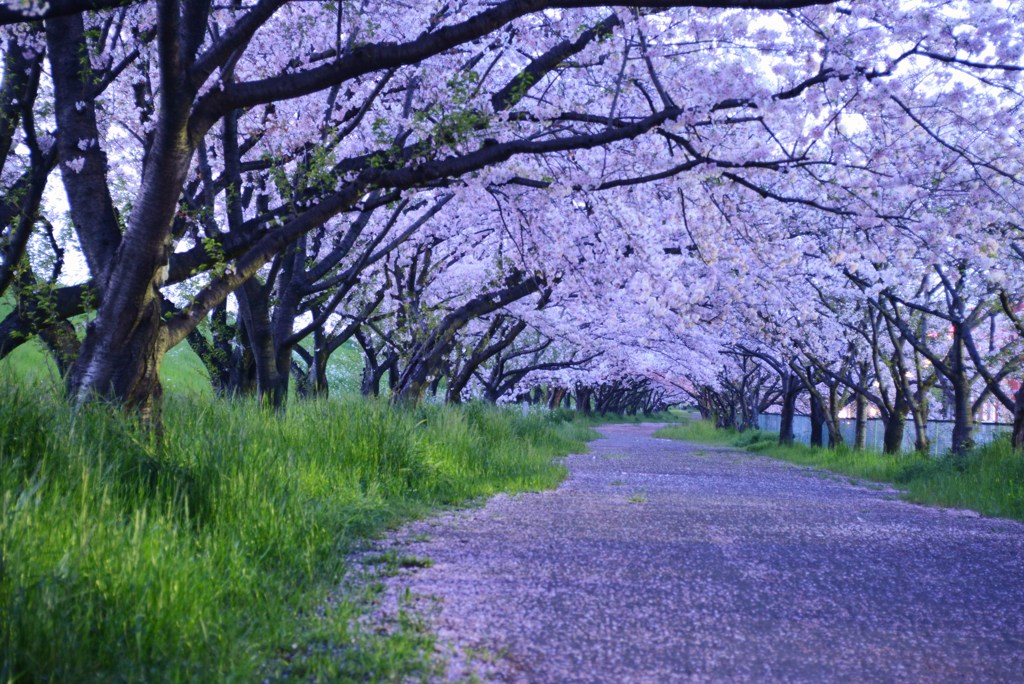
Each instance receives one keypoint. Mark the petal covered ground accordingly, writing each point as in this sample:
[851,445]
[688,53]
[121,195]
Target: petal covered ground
[663,561]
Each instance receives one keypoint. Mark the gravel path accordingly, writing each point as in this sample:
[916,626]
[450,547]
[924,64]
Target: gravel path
[662,561]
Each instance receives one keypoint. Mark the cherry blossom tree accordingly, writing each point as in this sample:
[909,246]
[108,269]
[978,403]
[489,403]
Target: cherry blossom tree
[672,175]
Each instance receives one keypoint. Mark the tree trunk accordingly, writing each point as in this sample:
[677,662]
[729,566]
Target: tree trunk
[1018,419]
[921,441]
[435,384]
[892,439]
[369,386]
[125,369]
[413,381]
[288,289]
[704,406]
[373,374]
[919,410]
[835,434]
[817,421]
[242,376]
[860,437]
[227,356]
[963,420]
[752,417]
[583,400]
[125,343]
[555,400]
[254,308]
[789,396]
[318,373]
[282,378]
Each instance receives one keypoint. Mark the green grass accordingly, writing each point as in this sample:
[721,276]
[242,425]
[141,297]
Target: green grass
[212,555]
[30,362]
[181,372]
[702,431]
[392,562]
[593,420]
[988,479]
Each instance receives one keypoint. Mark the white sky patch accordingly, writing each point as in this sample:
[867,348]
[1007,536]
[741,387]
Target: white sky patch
[852,123]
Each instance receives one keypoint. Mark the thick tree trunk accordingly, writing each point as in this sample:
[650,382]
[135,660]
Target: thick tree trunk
[789,396]
[254,308]
[369,385]
[242,376]
[919,412]
[705,410]
[125,370]
[555,400]
[289,284]
[491,395]
[1018,419]
[892,438]
[283,364]
[750,423]
[413,381]
[835,434]
[963,419]
[817,422]
[124,345]
[226,356]
[373,375]
[921,441]
[454,393]
[860,437]
[583,395]
[311,382]
[318,373]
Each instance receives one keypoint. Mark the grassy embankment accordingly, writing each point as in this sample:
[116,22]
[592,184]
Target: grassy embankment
[988,479]
[210,556]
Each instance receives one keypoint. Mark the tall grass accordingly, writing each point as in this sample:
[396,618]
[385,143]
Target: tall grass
[209,555]
[988,479]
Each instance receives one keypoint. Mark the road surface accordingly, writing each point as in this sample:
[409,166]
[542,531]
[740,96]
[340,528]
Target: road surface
[662,561]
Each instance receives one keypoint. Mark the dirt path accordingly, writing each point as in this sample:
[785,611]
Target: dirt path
[662,561]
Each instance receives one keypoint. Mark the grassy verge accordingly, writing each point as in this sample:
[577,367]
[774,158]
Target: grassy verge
[988,479]
[211,555]
[593,420]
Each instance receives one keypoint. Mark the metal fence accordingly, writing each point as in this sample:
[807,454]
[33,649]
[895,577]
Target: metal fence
[940,432]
